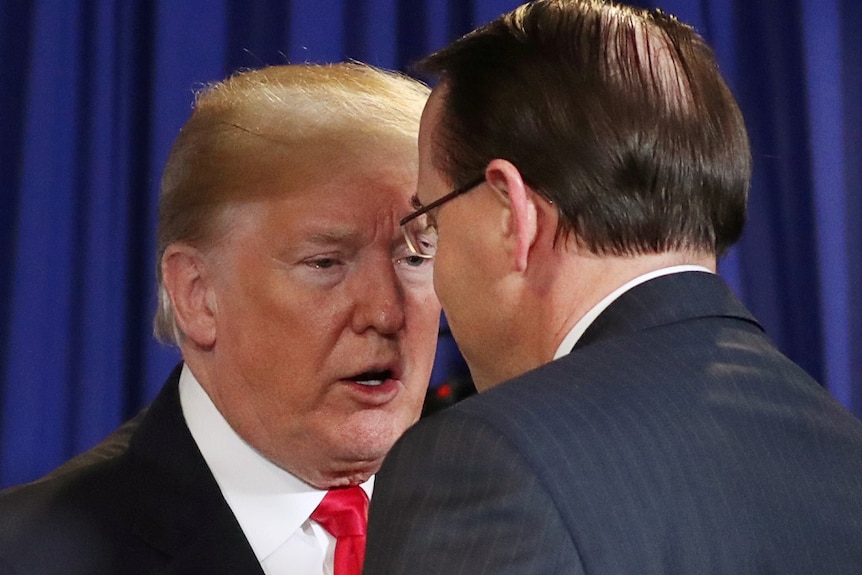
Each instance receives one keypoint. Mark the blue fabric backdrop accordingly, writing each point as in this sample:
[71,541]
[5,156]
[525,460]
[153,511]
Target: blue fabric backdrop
[92,94]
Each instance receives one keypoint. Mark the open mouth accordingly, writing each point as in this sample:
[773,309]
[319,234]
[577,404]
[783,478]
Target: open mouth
[372,378]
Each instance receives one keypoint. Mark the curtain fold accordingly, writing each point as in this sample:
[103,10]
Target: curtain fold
[93,93]
[823,52]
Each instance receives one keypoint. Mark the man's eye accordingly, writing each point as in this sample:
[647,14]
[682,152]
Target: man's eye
[428,242]
[416,261]
[322,263]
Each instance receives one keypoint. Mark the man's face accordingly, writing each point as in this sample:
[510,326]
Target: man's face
[467,260]
[326,325]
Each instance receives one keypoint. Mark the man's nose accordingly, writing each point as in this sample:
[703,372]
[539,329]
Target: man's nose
[379,299]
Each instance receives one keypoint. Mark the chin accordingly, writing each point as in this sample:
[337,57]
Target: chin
[352,470]
[371,440]
[356,450]
[339,467]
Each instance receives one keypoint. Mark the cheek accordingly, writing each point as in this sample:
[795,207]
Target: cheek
[273,326]
[449,277]
[422,312]
[429,328]
[286,305]
[442,286]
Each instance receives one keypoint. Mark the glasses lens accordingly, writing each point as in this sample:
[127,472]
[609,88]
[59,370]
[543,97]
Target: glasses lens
[421,236]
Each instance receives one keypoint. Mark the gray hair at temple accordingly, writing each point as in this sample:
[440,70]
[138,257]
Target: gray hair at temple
[311,119]
[617,115]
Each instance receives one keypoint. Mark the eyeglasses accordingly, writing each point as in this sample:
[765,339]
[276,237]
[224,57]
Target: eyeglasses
[419,229]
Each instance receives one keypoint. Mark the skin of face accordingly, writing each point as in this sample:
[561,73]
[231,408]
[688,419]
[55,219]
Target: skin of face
[325,325]
[468,261]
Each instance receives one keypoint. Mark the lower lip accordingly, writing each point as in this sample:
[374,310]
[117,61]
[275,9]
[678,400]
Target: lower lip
[374,394]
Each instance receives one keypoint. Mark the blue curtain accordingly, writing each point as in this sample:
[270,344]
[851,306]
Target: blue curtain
[93,93]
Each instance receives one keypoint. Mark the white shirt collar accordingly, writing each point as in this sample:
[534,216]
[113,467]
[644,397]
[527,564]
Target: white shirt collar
[581,326]
[269,503]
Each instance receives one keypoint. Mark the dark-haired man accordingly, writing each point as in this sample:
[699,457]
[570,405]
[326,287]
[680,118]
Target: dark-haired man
[633,416]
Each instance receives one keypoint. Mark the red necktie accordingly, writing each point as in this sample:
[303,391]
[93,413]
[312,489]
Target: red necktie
[344,514]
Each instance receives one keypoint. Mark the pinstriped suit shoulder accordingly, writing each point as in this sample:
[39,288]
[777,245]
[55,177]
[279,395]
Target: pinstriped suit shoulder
[674,439]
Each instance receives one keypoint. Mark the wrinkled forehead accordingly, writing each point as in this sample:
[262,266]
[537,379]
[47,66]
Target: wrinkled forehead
[269,164]
[347,206]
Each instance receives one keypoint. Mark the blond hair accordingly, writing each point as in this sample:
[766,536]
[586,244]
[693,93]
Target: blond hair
[298,115]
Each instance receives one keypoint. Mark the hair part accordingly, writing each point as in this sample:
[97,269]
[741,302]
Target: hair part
[617,115]
[308,119]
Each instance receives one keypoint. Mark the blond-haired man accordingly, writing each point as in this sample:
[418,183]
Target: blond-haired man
[307,330]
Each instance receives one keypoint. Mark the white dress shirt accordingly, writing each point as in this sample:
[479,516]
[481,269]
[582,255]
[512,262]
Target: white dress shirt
[581,326]
[271,505]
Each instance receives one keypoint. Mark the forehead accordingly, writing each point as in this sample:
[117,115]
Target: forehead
[338,198]
[279,169]
[431,180]
[431,116]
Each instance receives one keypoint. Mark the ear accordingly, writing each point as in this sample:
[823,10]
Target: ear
[184,274]
[519,223]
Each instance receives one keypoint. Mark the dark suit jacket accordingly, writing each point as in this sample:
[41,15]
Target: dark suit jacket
[674,439]
[143,501]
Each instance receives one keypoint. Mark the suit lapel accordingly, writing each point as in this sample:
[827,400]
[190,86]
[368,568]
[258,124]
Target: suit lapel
[218,548]
[180,509]
[666,299]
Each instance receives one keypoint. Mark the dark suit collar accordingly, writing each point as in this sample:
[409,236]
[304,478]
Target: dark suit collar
[180,508]
[663,300]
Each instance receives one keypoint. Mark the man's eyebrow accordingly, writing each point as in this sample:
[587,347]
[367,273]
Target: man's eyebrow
[331,237]
[414,200]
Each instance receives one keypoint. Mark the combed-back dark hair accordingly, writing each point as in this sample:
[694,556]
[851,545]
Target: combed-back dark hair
[617,115]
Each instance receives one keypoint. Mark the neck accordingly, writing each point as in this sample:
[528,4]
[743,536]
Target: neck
[556,296]
[589,278]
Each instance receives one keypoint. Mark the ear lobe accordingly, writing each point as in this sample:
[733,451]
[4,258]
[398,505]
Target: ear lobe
[192,299]
[519,224]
